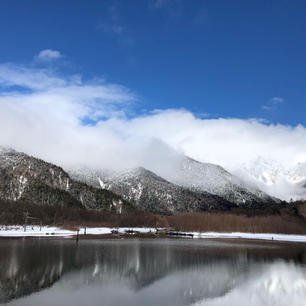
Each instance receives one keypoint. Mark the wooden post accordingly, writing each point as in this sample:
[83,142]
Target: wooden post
[77,236]
[26,215]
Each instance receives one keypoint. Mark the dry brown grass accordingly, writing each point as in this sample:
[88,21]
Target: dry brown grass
[229,222]
[284,218]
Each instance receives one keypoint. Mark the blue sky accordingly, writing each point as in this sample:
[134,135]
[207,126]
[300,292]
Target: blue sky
[232,59]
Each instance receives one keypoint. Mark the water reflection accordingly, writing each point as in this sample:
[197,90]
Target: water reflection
[149,272]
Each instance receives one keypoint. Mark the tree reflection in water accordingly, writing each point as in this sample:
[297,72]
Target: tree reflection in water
[134,272]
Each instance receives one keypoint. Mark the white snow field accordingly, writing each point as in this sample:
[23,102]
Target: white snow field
[36,231]
[45,231]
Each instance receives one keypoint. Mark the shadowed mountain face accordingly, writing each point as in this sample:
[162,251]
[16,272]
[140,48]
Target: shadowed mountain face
[26,178]
[164,272]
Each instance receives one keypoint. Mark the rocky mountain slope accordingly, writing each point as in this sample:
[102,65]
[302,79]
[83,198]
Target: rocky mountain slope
[26,178]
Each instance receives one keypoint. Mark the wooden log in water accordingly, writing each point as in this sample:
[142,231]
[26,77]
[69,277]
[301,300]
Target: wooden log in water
[180,234]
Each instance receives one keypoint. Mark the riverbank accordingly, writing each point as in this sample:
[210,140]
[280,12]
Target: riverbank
[52,231]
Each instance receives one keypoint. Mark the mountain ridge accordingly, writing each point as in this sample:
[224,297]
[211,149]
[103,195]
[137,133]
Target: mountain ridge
[27,178]
[192,187]
[150,192]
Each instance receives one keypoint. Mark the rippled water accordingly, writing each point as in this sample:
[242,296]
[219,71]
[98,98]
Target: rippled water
[151,272]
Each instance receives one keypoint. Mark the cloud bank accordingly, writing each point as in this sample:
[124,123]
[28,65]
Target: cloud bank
[70,121]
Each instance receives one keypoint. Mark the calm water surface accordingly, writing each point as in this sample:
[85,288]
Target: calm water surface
[151,272]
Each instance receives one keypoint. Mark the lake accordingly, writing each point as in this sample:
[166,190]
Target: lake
[153,272]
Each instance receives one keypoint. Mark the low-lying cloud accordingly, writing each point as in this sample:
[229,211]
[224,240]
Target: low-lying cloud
[69,121]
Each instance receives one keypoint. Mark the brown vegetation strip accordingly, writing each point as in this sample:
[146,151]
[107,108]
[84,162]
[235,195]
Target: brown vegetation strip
[285,218]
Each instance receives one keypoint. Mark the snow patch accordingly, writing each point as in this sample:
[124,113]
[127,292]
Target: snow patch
[45,231]
[102,184]
[34,230]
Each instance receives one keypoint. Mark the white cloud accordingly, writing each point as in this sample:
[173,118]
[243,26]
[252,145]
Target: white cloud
[273,103]
[34,79]
[48,55]
[46,120]
[277,100]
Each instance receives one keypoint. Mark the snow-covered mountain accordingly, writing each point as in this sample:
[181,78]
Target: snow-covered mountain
[150,192]
[179,185]
[277,180]
[182,185]
[297,173]
[214,179]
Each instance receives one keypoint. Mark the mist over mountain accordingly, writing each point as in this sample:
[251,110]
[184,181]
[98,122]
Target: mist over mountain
[69,121]
[35,181]
[214,179]
[171,185]
[243,185]
[193,186]
[168,181]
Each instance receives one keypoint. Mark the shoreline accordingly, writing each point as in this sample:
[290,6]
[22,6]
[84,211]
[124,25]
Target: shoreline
[35,231]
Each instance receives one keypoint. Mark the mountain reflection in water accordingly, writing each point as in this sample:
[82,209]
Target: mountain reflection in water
[150,272]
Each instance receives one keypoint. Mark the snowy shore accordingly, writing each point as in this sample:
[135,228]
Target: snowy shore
[44,231]
[47,231]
